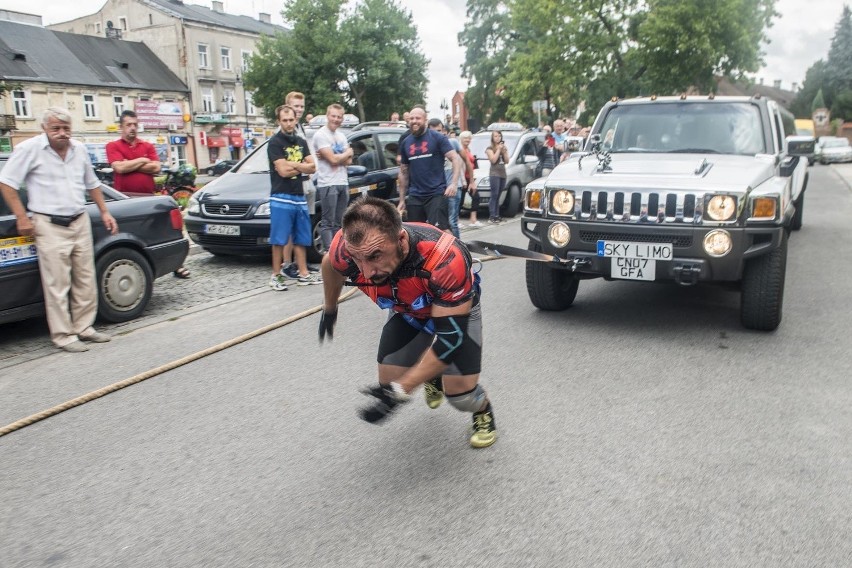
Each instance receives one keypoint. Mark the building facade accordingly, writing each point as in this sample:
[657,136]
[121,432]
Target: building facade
[209,50]
[95,79]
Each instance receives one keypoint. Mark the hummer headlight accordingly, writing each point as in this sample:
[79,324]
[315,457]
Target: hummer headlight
[721,207]
[559,234]
[718,243]
[763,208]
[532,199]
[562,202]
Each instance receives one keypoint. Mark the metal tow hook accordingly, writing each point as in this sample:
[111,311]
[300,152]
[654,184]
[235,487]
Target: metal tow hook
[687,274]
[580,263]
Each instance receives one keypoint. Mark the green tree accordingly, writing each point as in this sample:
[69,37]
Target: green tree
[802,105]
[818,102]
[382,63]
[686,44]
[368,58]
[839,72]
[486,37]
[564,51]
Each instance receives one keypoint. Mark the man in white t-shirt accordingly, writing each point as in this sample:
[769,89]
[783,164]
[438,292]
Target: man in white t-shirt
[333,154]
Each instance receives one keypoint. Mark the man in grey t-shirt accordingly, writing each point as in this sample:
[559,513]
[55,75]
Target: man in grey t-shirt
[333,154]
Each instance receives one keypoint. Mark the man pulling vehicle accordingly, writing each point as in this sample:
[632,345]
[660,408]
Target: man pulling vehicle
[434,334]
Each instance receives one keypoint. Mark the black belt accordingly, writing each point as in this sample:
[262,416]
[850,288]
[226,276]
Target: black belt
[62,220]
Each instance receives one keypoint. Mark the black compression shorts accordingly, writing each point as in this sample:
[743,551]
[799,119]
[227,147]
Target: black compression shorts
[403,345]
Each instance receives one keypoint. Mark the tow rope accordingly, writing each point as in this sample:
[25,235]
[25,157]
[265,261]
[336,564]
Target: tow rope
[502,251]
[151,373]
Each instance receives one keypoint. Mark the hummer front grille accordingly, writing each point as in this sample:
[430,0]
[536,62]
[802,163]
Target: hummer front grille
[638,207]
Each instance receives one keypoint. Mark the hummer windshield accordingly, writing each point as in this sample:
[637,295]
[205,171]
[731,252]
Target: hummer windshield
[684,127]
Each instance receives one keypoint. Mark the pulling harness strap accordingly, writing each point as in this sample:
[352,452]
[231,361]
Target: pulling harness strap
[439,253]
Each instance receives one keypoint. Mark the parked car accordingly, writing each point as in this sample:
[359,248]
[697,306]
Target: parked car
[230,215]
[523,147]
[220,168]
[149,244]
[350,121]
[380,124]
[835,150]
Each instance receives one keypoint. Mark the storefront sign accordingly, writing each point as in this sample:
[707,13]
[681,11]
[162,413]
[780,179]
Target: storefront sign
[159,115]
[177,140]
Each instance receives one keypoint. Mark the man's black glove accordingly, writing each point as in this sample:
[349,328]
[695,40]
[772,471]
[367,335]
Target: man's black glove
[326,326]
[387,399]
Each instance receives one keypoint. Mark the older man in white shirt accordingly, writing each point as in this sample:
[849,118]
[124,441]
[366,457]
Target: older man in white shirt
[57,173]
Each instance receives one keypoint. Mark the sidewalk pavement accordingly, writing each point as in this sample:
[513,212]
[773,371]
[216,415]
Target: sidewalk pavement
[845,173]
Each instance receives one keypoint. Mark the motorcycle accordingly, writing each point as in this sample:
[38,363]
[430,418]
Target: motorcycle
[179,183]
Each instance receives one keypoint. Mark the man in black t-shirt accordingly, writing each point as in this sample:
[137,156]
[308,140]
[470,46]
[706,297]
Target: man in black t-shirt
[290,162]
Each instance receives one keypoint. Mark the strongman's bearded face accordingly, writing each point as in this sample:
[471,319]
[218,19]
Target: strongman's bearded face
[377,256]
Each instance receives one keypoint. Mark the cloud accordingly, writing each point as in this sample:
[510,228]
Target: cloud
[798,38]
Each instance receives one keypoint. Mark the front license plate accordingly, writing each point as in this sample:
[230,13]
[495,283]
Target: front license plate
[17,250]
[633,268]
[228,230]
[647,251]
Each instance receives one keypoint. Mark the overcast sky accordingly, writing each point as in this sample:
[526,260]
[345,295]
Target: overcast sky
[800,36]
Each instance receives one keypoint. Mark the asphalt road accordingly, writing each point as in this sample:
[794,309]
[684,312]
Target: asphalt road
[641,427]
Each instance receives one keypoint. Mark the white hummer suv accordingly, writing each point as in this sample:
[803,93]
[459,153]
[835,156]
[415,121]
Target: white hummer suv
[690,189]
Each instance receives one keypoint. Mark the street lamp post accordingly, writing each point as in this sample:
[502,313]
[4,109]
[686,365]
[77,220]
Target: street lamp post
[445,107]
[245,107]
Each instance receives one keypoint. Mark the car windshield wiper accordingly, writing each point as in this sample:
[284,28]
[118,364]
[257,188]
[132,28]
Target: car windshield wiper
[695,151]
[259,172]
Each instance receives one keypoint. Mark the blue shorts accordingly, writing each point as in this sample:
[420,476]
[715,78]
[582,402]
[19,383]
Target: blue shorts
[288,217]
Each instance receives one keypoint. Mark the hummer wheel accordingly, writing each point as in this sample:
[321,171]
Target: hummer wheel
[550,288]
[762,294]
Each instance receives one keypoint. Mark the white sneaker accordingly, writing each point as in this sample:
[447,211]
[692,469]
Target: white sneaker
[277,282]
[474,224]
[309,279]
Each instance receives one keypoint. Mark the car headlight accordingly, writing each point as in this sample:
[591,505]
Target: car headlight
[718,243]
[533,200]
[559,234]
[562,202]
[764,208]
[721,207]
[484,183]
[262,210]
[193,205]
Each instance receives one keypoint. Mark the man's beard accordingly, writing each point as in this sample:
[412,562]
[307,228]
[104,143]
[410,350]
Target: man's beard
[418,130]
[378,280]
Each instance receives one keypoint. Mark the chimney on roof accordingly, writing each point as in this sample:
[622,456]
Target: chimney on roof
[795,87]
[760,81]
[265,18]
[776,83]
[218,7]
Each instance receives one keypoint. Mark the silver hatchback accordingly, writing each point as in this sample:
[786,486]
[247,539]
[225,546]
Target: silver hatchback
[523,149]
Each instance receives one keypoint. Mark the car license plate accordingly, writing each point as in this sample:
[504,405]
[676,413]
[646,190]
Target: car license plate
[228,230]
[649,251]
[633,268]
[17,250]
[634,261]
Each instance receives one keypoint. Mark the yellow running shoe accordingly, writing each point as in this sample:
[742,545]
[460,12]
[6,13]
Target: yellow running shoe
[484,429]
[433,393]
